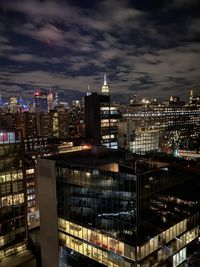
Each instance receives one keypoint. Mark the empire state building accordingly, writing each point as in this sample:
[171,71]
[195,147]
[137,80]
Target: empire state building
[105,87]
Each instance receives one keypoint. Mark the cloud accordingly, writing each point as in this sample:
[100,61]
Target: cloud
[42,11]
[68,47]
[5,47]
[106,15]
[47,33]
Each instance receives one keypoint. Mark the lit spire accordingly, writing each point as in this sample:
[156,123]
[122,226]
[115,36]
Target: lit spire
[105,88]
[105,82]
[191,95]
[89,91]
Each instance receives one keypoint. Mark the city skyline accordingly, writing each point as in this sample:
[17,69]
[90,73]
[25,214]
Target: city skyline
[149,48]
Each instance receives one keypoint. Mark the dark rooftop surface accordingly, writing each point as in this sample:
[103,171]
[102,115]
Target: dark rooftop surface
[91,159]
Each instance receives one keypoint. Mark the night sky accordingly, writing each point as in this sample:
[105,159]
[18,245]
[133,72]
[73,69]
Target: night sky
[144,46]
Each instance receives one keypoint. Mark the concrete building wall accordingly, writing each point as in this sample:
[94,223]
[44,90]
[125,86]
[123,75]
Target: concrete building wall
[48,213]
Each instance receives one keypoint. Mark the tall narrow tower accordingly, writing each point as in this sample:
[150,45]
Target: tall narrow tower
[105,87]
[50,100]
[41,104]
[56,101]
[191,95]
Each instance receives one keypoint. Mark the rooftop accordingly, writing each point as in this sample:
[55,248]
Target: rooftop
[101,158]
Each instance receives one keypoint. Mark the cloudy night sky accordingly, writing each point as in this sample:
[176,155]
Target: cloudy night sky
[151,47]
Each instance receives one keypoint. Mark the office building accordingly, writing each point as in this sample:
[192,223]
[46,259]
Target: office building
[13,230]
[34,147]
[51,124]
[56,101]
[116,211]
[50,100]
[41,104]
[172,124]
[136,140]
[13,104]
[191,96]
[6,121]
[59,124]
[26,122]
[76,104]
[101,118]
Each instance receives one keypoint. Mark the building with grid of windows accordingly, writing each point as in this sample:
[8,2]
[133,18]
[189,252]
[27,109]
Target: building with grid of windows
[51,124]
[101,120]
[116,211]
[158,127]
[13,226]
[136,140]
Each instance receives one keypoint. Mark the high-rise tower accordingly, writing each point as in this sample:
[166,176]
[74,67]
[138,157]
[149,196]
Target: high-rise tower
[56,101]
[50,100]
[12,195]
[101,118]
[191,95]
[41,104]
[13,104]
[105,87]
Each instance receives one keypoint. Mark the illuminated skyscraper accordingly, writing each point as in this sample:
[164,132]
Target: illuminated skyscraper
[21,102]
[41,104]
[13,104]
[191,96]
[56,102]
[105,88]
[101,118]
[50,100]
[76,104]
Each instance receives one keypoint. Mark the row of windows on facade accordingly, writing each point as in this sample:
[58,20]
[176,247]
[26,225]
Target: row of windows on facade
[120,248]
[12,200]
[31,203]
[9,188]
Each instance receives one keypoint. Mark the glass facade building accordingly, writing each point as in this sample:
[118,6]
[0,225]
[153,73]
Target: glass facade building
[160,127]
[12,195]
[117,215]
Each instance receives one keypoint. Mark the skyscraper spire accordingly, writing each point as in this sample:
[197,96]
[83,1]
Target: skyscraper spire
[105,88]
[191,95]
[89,90]
[105,82]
